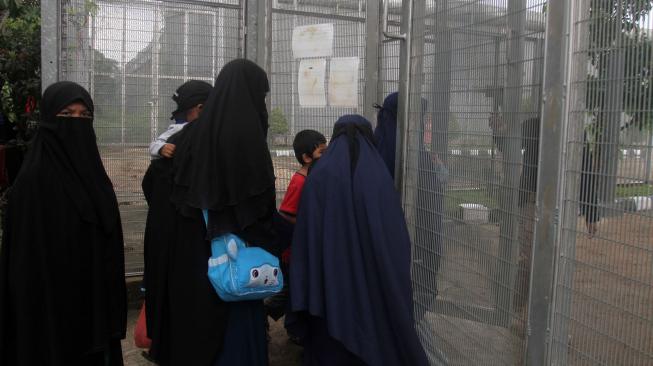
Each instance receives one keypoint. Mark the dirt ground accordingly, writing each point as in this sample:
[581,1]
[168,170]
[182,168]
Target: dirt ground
[604,311]
[282,352]
[611,318]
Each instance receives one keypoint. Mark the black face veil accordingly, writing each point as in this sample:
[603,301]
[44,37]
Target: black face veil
[73,143]
[62,263]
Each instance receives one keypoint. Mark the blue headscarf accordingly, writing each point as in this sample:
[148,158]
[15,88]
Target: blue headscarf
[351,253]
[386,131]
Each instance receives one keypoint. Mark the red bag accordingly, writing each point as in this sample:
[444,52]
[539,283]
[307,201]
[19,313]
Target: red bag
[140,332]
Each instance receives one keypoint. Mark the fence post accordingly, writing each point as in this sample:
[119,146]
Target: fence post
[403,109]
[542,278]
[512,160]
[578,58]
[372,34]
[441,85]
[649,158]
[50,40]
[258,28]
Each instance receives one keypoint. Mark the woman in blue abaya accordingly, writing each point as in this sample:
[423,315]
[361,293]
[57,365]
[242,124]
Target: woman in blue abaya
[350,281]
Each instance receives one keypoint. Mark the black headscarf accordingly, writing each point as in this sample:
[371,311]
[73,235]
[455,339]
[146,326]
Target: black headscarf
[62,284]
[225,166]
[73,143]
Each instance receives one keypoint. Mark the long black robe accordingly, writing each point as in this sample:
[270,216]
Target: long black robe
[159,230]
[222,164]
[62,287]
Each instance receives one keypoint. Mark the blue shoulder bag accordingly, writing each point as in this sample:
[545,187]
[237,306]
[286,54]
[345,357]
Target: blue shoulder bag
[238,272]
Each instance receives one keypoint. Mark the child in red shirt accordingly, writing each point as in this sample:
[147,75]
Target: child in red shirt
[308,146]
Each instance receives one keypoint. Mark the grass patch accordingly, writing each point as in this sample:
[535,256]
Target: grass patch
[635,190]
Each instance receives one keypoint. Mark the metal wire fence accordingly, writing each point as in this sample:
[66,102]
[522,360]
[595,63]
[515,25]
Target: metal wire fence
[479,210]
[296,74]
[132,56]
[526,171]
[471,175]
[603,313]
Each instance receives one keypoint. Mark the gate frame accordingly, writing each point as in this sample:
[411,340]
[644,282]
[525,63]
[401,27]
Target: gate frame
[546,244]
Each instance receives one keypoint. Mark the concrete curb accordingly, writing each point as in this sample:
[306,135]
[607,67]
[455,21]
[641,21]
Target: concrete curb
[633,204]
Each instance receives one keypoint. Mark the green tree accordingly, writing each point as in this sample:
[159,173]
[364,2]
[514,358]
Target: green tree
[20,61]
[620,80]
[14,8]
[278,122]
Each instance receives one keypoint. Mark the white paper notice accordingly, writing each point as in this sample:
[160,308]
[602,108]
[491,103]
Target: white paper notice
[312,41]
[311,83]
[343,82]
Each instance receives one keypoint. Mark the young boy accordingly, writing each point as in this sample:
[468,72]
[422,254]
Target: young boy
[190,98]
[308,146]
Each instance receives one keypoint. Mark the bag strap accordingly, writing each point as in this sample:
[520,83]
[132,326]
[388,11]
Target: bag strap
[205,214]
[218,247]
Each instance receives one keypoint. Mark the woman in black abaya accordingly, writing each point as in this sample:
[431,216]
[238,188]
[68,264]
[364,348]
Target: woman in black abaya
[62,287]
[222,164]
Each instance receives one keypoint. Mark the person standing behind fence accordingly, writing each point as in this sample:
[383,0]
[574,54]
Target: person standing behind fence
[62,285]
[190,98]
[222,165]
[157,188]
[385,132]
[432,174]
[431,177]
[589,199]
[350,287]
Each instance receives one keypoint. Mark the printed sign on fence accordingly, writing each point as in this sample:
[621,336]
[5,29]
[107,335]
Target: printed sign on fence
[311,83]
[343,82]
[315,40]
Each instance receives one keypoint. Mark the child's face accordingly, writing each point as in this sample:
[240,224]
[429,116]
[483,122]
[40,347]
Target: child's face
[316,154]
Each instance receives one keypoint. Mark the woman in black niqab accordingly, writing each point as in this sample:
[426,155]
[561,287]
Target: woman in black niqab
[225,166]
[62,287]
[222,164]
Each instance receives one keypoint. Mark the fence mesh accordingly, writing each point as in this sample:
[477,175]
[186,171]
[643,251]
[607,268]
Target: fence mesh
[603,313]
[471,162]
[471,175]
[132,56]
[289,113]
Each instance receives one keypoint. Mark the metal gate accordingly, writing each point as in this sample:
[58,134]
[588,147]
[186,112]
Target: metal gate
[131,56]
[526,178]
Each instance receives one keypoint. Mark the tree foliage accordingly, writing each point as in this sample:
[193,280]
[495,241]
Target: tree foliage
[20,60]
[619,82]
[620,57]
[278,122]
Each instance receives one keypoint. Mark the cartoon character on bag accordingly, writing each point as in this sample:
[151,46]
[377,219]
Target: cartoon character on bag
[238,272]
